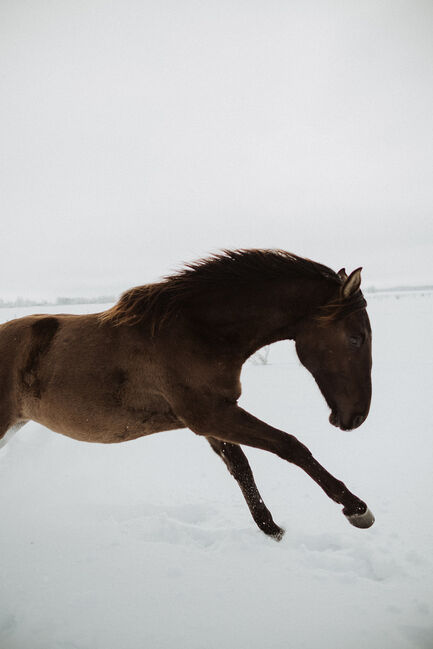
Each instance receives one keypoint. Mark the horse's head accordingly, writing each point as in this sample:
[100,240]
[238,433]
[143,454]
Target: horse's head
[336,348]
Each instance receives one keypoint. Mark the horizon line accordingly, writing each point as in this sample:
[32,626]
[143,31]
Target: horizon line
[106,299]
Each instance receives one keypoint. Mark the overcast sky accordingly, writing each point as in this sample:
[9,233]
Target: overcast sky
[139,134]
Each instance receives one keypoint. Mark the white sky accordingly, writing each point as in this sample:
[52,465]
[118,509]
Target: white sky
[139,134]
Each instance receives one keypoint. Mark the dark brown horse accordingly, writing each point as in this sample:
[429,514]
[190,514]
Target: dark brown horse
[169,355]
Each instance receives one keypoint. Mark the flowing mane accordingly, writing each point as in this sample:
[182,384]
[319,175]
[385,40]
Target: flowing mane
[156,303]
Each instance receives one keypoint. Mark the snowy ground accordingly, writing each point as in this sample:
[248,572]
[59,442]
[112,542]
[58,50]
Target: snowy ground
[149,544]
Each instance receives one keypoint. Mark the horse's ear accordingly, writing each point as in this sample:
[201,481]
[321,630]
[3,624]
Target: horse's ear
[342,273]
[351,284]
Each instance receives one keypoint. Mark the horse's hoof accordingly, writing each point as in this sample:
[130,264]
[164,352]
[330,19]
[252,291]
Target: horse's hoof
[274,531]
[362,520]
[279,535]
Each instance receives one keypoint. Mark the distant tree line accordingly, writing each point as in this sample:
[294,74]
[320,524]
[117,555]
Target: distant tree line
[23,301]
[106,299]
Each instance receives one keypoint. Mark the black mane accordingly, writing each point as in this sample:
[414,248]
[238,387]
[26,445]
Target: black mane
[245,266]
[156,302]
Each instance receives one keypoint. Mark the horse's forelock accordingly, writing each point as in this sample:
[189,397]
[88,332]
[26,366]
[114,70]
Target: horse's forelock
[339,308]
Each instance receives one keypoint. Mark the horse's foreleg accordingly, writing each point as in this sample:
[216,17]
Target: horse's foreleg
[230,423]
[238,465]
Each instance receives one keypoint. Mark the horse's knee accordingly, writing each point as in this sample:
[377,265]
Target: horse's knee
[291,449]
[235,460]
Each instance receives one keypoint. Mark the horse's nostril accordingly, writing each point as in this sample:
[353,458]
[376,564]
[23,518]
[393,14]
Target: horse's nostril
[334,419]
[358,420]
[345,424]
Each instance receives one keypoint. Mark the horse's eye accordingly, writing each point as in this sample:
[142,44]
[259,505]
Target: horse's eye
[356,341]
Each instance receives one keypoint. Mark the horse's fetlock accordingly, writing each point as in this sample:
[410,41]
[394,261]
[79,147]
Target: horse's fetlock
[341,487]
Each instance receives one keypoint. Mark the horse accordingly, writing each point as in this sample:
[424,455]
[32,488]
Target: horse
[169,355]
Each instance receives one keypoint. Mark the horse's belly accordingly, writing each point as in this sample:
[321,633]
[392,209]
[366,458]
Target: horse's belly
[105,424]
[108,430]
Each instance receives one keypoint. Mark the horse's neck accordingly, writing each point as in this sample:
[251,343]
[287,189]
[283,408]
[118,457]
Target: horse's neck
[272,312]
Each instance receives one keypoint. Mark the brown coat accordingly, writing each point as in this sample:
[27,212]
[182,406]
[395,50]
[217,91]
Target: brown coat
[169,355]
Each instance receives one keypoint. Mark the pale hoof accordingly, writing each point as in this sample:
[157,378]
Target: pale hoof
[361,520]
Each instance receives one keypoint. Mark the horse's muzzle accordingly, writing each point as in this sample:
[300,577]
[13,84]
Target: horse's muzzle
[338,421]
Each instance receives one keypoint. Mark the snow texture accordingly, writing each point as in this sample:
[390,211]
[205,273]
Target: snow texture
[150,544]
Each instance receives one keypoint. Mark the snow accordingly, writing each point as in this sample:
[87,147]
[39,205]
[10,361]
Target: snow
[150,544]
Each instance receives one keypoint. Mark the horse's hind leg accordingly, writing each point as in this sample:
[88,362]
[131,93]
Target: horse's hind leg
[237,463]
[5,419]
[9,424]
[7,433]
[4,427]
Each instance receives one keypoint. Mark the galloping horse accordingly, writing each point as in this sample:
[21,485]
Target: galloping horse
[169,355]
